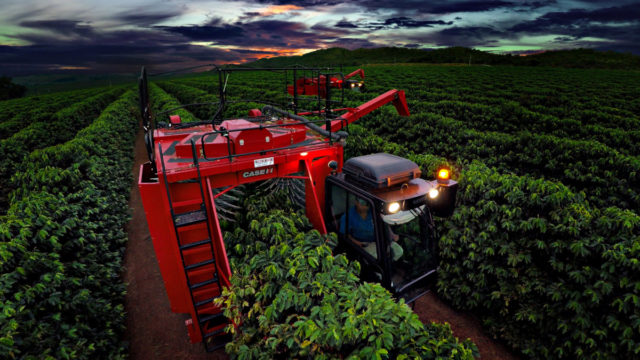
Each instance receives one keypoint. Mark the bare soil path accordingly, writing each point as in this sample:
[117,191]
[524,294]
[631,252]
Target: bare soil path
[154,332]
[431,309]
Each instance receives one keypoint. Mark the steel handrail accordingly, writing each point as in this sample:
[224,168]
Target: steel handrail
[232,156]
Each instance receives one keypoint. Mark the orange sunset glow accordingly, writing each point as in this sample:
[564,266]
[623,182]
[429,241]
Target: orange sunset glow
[278,9]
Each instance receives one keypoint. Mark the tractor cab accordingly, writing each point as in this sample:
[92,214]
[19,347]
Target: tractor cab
[382,212]
[354,85]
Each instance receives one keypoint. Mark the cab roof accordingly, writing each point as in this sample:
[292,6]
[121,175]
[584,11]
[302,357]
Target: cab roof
[376,171]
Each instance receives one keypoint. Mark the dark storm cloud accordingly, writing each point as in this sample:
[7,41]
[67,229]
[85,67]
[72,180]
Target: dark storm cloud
[205,32]
[256,52]
[260,33]
[564,39]
[405,22]
[620,25]
[32,13]
[145,19]
[248,16]
[605,3]
[466,6]
[70,43]
[346,24]
[391,23]
[472,36]
[569,19]
[62,27]
[325,31]
[529,6]
[428,7]
[92,37]
[114,51]
[352,43]
[478,32]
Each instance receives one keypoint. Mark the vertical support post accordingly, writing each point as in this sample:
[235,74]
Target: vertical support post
[222,92]
[295,91]
[318,97]
[145,112]
[327,104]
[342,85]
[225,133]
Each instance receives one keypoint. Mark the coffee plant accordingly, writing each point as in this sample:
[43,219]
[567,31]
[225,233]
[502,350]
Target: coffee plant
[62,244]
[291,298]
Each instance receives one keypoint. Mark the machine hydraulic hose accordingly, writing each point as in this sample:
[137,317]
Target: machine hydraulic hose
[335,136]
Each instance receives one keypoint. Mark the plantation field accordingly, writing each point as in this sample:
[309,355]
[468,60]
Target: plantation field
[544,246]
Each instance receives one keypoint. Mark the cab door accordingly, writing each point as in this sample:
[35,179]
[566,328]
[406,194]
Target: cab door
[353,217]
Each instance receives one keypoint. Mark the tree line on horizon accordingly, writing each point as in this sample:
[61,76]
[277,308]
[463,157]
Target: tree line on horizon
[577,58]
[9,90]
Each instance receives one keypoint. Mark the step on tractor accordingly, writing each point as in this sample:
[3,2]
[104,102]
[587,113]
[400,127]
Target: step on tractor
[378,204]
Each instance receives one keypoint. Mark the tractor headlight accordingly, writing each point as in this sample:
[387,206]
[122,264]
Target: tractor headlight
[353,85]
[393,207]
[433,193]
[441,197]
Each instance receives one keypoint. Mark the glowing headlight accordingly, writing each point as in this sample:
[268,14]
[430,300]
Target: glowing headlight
[352,85]
[393,207]
[433,193]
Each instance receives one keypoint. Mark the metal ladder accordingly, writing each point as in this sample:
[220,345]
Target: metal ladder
[202,292]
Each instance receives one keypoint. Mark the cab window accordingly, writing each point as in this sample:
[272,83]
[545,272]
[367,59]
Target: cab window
[337,206]
[414,252]
[357,224]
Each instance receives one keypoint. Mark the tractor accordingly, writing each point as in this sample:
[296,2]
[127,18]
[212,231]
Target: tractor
[378,204]
[318,83]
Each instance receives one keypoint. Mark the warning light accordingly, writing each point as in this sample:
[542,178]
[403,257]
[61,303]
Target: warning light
[443,174]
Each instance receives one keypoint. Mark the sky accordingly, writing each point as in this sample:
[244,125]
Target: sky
[118,36]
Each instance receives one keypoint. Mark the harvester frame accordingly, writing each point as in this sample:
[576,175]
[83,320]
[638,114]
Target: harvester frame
[199,163]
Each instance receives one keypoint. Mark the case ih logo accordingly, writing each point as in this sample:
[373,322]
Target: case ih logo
[253,173]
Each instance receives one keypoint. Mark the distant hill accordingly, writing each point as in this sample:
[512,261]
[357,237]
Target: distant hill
[340,56]
[579,58]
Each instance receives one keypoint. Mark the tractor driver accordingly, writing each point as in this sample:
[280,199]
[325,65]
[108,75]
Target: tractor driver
[361,230]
